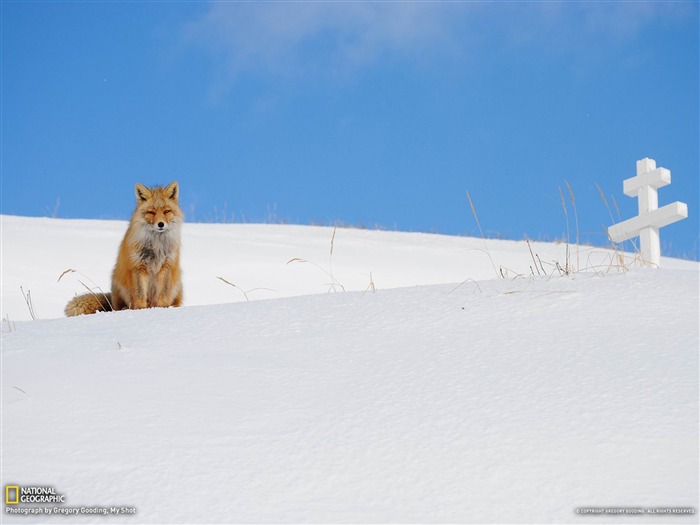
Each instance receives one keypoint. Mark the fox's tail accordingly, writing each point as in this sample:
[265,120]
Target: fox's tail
[89,303]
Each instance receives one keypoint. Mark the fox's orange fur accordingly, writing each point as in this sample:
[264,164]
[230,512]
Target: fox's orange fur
[147,273]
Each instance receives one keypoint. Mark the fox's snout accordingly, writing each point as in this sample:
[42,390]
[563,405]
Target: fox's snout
[160,226]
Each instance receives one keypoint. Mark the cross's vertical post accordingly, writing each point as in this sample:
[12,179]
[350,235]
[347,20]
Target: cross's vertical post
[648,200]
[648,196]
[650,245]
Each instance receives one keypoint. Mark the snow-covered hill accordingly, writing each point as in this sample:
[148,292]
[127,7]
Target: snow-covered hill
[513,400]
[254,257]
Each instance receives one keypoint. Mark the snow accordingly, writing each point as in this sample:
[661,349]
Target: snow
[511,400]
[254,257]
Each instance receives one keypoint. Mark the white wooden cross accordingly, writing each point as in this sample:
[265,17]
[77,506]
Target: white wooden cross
[646,225]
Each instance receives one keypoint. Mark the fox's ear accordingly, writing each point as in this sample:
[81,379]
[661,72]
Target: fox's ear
[142,193]
[172,190]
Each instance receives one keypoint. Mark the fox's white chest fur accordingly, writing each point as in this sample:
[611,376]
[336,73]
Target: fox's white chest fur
[156,247]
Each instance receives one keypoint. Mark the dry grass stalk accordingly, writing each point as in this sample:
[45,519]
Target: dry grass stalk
[476,218]
[370,287]
[28,299]
[533,258]
[573,205]
[89,289]
[567,268]
[244,292]
[11,326]
[334,282]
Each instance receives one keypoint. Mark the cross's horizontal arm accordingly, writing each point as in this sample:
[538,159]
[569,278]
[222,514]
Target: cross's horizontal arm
[653,219]
[656,179]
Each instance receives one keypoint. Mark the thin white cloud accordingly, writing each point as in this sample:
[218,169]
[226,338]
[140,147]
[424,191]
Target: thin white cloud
[281,37]
[288,37]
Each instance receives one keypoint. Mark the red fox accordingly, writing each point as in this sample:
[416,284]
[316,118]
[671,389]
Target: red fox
[147,273]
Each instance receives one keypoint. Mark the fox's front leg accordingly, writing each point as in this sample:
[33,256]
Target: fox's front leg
[139,292]
[164,287]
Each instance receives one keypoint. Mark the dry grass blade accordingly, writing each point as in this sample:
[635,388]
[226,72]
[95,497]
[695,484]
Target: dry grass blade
[11,326]
[245,292]
[334,282]
[28,299]
[227,282]
[98,293]
[566,215]
[617,210]
[602,196]
[573,204]
[533,257]
[330,258]
[463,283]
[566,212]
[476,218]
[571,193]
[370,287]
[236,287]
[99,290]
[541,265]
[69,270]
[619,256]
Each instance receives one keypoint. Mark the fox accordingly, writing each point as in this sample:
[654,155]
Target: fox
[147,273]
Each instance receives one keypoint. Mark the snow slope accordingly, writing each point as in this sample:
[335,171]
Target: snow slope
[498,401]
[254,256]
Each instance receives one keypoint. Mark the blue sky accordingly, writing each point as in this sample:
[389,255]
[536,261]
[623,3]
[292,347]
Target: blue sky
[360,113]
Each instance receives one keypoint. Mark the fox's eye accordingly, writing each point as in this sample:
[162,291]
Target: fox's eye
[151,212]
[166,211]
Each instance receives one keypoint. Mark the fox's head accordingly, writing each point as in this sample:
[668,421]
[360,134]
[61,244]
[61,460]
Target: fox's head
[157,207]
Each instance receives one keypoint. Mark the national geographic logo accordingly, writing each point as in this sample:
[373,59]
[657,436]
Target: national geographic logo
[14,495]
[18,497]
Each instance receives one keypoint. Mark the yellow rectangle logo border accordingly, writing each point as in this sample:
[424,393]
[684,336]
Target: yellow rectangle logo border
[7,494]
